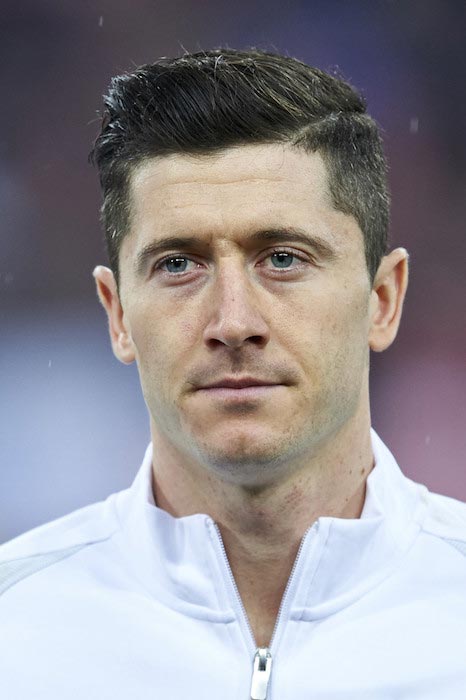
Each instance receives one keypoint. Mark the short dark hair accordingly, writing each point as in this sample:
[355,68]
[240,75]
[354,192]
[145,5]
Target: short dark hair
[208,101]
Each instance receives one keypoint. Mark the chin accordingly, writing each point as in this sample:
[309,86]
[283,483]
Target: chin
[243,459]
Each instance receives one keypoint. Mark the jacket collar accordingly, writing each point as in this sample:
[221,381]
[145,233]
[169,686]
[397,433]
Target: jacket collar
[351,556]
[180,562]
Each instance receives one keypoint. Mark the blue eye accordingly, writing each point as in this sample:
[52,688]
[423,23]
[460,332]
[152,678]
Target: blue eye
[176,264]
[282,259]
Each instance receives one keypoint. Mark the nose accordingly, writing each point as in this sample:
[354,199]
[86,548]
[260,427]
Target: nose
[234,315]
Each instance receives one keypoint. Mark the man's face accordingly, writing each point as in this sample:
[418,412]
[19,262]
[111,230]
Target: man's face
[266,285]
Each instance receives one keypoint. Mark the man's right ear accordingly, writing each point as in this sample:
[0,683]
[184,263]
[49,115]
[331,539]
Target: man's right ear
[120,336]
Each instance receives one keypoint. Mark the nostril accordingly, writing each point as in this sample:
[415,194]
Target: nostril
[245,326]
[257,339]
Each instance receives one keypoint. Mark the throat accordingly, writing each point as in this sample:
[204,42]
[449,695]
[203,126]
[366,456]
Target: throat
[262,625]
[261,587]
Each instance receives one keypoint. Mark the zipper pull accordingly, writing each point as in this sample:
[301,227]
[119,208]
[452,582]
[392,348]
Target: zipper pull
[261,674]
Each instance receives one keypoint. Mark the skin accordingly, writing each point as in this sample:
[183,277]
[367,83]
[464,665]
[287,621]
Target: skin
[297,314]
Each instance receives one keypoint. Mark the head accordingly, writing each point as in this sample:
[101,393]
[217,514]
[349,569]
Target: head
[246,215]
[206,102]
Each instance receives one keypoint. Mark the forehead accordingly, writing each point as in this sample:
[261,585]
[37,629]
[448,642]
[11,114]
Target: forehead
[261,163]
[246,182]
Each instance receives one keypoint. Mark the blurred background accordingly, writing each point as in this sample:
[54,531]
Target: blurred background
[73,425]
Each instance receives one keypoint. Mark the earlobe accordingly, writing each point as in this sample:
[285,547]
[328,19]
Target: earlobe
[120,336]
[388,293]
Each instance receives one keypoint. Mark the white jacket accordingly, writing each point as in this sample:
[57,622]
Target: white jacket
[121,601]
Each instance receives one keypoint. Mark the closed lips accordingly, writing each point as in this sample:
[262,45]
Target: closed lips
[238,383]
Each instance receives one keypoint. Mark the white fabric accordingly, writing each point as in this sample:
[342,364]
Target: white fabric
[120,600]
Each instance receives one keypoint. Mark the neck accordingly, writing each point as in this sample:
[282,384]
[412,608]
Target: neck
[262,527]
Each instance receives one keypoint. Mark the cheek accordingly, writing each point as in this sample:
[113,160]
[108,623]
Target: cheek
[161,343]
[328,332]
[187,329]
[347,349]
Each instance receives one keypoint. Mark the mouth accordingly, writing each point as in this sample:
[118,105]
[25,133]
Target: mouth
[244,388]
[239,383]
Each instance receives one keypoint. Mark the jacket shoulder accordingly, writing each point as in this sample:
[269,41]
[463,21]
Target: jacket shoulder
[59,539]
[446,519]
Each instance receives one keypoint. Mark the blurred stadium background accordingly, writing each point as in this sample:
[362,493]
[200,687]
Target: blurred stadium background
[73,425]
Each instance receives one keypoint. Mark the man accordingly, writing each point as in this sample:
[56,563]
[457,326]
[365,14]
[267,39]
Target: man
[269,546]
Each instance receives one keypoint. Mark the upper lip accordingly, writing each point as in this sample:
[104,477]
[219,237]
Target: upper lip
[238,383]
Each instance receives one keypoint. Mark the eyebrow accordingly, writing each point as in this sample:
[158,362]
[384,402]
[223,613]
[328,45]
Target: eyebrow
[191,243]
[295,235]
[188,243]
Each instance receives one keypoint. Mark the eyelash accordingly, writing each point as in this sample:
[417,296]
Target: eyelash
[301,257]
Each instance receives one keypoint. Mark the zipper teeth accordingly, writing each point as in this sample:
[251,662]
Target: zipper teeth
[235,587]
[284,599]
[285,594]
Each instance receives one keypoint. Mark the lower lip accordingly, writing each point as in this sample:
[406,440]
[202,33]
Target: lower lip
[246,393]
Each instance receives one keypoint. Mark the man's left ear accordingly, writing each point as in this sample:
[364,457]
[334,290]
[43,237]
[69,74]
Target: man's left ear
[387,296]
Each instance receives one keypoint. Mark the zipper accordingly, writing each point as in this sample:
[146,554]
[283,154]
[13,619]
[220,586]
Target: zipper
[262,662]
[262,669]
[235,587]
[290,579]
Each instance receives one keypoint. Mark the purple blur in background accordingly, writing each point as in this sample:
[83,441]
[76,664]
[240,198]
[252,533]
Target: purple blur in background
[73,426]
